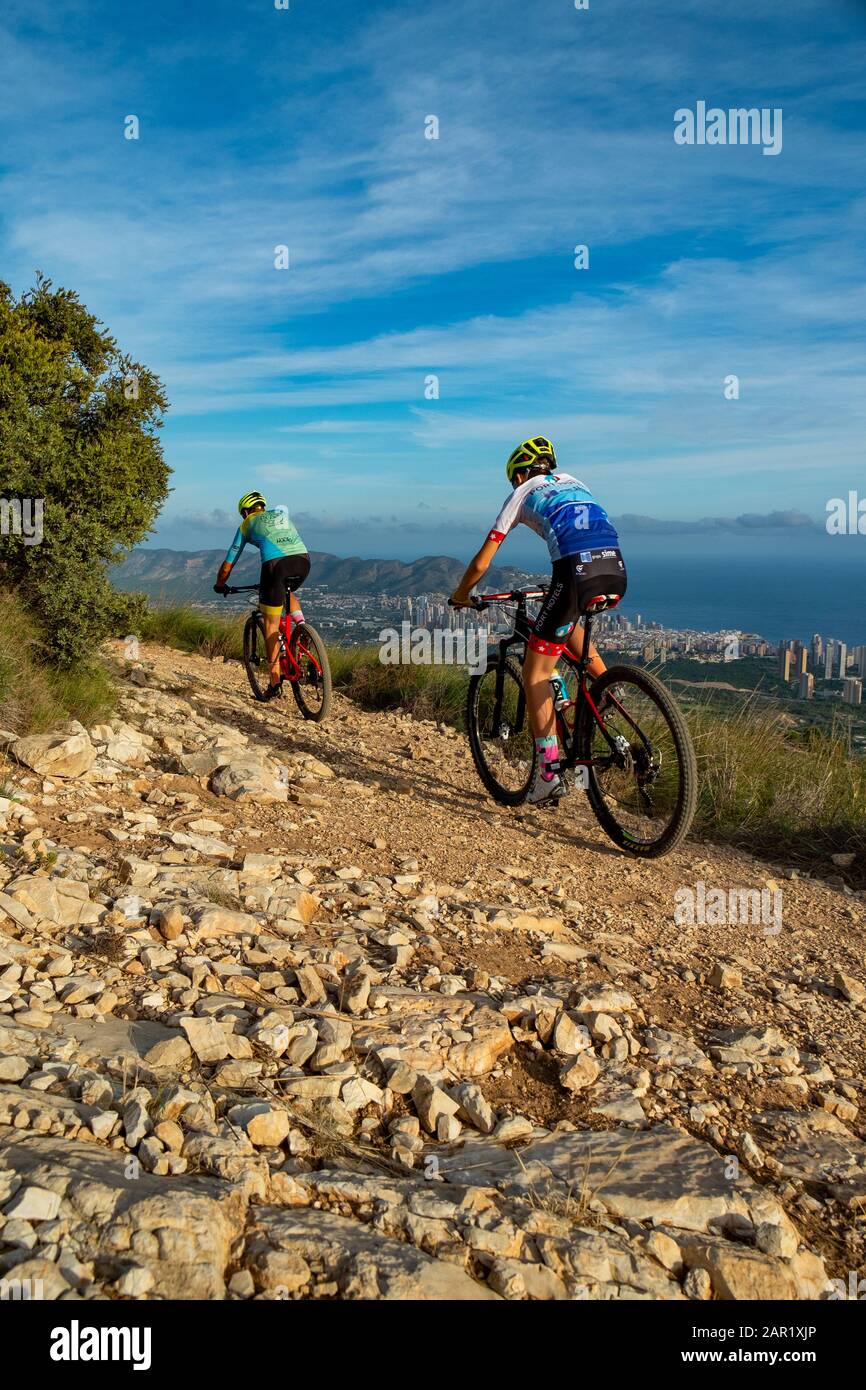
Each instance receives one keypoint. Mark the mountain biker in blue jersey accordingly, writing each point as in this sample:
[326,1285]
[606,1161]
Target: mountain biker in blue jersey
[285,566]
[586,559]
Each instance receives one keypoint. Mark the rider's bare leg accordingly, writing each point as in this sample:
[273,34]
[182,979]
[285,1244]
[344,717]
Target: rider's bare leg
[538,667]
[596,666]
[295,611]
[271,617]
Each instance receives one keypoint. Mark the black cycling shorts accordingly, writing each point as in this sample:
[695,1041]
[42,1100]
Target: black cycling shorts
[286,573]
[575,581]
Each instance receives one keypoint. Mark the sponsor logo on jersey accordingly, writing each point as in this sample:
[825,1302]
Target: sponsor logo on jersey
[566,628]
[586,556]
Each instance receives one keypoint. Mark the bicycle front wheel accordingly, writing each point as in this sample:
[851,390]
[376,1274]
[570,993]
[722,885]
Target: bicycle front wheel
[643,789]
[312,686]
[503,748]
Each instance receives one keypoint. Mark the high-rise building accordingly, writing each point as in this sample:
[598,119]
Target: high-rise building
[852,690]
[807,686]
[637,620]
[860,658]
[785,660]
[829,653]
[817,651]
[843,660]
[802,660]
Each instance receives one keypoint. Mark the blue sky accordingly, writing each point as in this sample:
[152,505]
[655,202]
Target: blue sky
[455,257]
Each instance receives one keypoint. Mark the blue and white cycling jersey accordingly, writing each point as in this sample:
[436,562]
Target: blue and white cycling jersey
[560,510]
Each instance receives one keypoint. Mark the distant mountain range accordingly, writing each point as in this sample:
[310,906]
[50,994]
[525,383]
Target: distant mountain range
[187,576]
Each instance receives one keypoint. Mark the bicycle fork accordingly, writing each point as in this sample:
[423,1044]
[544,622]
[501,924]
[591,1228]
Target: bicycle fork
[499,729]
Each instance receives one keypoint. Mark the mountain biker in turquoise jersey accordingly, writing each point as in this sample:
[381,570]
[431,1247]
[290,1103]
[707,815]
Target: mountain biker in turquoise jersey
[285,566]
[586,559]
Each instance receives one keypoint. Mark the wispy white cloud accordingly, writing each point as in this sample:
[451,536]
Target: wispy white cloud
[307,128]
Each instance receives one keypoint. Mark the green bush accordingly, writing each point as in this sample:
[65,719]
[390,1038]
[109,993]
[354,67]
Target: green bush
[78,433]
[35,696]
[192,631]
[427,692]
[777,791]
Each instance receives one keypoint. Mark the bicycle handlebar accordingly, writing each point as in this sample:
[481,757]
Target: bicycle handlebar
[514,596]
[474,603]
[481,601]
[240,589]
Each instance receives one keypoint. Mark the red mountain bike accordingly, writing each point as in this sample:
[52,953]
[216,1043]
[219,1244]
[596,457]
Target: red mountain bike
[622,735]
[303,661]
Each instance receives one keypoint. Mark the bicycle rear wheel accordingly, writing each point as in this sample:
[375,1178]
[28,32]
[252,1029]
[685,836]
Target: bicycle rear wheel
[644,791]
[256,662]
[312,687]
[503,748]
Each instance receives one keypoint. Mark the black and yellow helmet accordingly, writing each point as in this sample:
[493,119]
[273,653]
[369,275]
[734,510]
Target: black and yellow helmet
[530,452]
[250,500]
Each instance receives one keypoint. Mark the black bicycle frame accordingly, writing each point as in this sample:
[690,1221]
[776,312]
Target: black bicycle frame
[520,635]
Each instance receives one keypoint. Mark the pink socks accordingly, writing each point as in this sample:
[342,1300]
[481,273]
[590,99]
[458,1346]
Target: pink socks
[547,749]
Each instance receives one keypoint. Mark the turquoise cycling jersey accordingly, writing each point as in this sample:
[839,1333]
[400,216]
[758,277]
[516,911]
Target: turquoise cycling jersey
[272,532]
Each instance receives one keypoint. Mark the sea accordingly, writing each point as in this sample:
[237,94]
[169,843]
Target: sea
[771,589]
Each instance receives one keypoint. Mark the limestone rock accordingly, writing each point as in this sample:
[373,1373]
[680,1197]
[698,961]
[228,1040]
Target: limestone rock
[362,1263]
[65,752]
[431,1101]
[206,1038]
[248,778]
[33,1204]
[264,1124]
[570,1037]
[582,1072]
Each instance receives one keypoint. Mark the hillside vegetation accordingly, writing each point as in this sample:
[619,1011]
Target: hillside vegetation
[82,462]
[35,695]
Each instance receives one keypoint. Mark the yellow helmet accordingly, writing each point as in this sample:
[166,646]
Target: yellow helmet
[250,500]
[530,452]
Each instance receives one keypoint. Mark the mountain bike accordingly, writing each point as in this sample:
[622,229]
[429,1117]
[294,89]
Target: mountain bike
[622,736]
[303,660]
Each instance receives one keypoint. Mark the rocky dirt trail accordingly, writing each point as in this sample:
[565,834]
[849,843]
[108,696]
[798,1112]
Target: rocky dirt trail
[298,1012]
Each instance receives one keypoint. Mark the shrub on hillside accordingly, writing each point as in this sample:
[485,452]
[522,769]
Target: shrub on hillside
[36,695]
[211,635]
[78,436]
